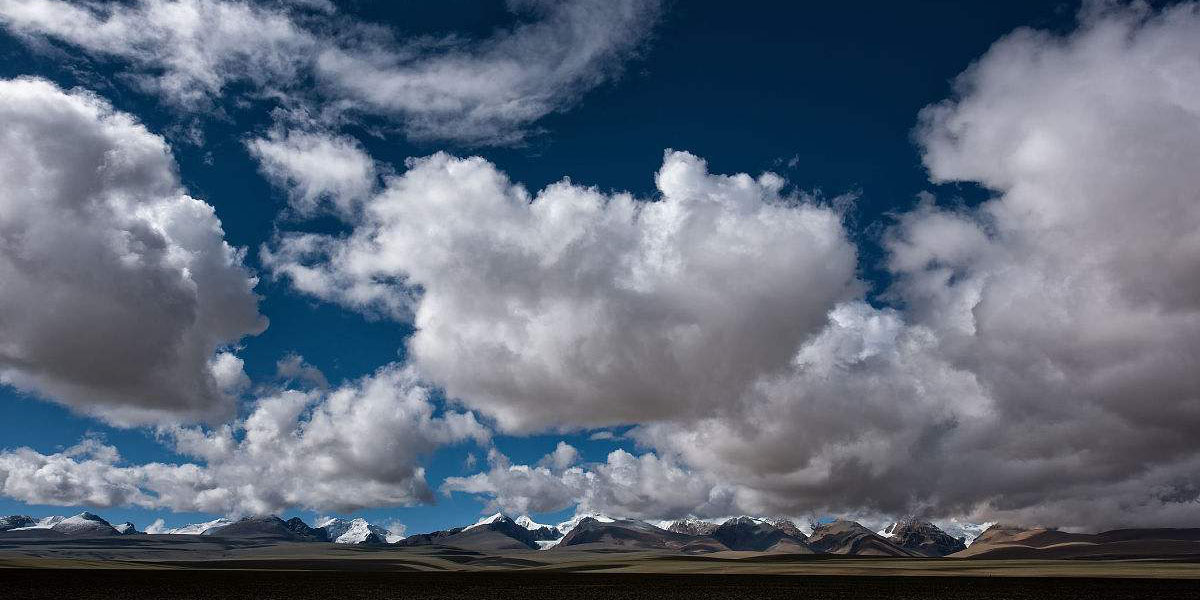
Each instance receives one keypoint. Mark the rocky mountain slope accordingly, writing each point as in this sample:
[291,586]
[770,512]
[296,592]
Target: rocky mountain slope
[628,534]
[496,532]
[692,526]
[922,537]
[850,538]
[268,527]
[761,535]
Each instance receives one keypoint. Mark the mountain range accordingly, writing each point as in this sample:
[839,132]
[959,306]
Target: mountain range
[84,524]
[907,538]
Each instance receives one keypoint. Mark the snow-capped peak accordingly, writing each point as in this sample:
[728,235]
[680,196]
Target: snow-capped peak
[964,529]
[197,528]
[755,520]
[355,531]
[84,522]
[44,523]
[528,523]
[16,522]
[487,521]
[570,524]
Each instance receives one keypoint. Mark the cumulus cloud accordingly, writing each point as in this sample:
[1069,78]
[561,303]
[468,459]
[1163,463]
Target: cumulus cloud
[575,308]
[869,418]
[1039,368]
[479,91]
[117,289]
[563,456]
[1073,294]
[1036,364]
[357,446]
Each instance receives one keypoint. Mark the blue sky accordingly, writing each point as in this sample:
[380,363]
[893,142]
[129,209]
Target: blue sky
[825,95]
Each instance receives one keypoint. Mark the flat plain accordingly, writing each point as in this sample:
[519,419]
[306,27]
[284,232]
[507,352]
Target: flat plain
[206,584]
[192,567]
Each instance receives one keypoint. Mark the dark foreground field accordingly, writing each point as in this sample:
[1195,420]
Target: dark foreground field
[83,584]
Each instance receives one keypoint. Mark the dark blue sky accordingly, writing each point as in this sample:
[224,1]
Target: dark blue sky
[826,94]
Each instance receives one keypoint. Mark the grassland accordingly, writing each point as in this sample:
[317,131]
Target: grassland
[201,568]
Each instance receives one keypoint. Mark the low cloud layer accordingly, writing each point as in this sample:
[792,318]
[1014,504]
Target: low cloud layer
[356,446]
[624,485]
[117,289]
[191,52]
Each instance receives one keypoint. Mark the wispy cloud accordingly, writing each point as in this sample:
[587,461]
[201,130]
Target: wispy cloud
[191,52]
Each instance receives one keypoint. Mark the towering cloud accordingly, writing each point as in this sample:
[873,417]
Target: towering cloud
[484,91]
[1073,294]
[577,308]
[1042,371]
[1041,367]
[117,289]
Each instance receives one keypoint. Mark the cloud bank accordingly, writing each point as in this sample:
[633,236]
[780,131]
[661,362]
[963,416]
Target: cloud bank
[118,292]
[359,445]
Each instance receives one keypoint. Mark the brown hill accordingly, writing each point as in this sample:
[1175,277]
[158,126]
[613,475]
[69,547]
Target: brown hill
[1014,542]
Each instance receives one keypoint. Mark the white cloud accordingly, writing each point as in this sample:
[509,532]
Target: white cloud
[357,446]
[316,169]
[117,289]
[1038,366]
[188,51]
[563,456]
[293,369]
[624,485]
[486,91]
[1041,370]
[578,308]
[1073,294]
[82,474]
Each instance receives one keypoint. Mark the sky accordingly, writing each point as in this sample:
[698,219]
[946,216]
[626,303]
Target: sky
[419,262]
